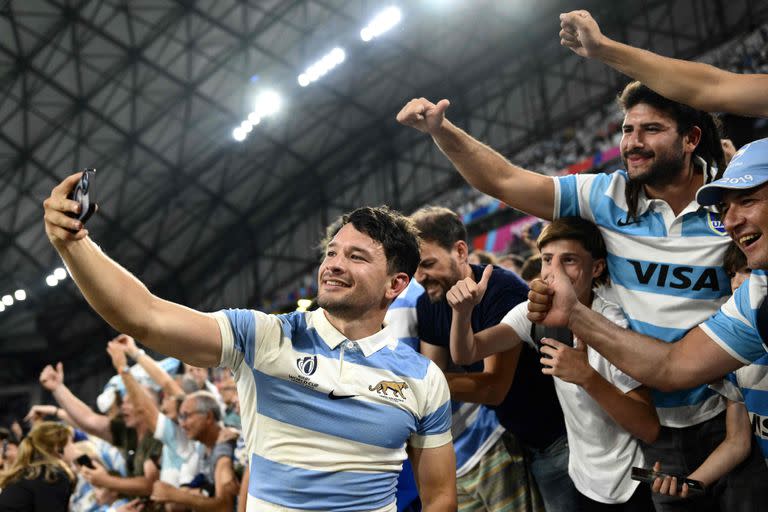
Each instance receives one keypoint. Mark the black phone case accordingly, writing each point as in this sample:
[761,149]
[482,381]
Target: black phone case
[648,476]
[82,194]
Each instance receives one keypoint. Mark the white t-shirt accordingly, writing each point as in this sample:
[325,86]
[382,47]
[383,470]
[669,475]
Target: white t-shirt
[602,453]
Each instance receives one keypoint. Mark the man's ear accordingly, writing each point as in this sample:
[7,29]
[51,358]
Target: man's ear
[461,250]
[598,268]
[692,139]
[397,284]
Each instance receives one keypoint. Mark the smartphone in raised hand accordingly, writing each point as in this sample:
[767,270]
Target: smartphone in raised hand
[82,193]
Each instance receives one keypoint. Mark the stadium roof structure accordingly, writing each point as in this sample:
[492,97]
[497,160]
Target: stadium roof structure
[148,92]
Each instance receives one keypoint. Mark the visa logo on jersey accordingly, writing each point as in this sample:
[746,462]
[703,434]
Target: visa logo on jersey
[759,425]
[677,277]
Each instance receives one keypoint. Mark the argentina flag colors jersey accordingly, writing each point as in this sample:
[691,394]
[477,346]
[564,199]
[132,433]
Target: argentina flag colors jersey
[326,420]
[735,327]
[401,316]
[666,271]
[749,385]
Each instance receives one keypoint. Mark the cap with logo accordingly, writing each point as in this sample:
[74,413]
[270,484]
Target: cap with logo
[748,169]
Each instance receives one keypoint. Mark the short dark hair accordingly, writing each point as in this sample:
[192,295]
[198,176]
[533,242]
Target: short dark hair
[531,268]
[709,148]
[734,259]
[579,230]
[439,225]
[394,231]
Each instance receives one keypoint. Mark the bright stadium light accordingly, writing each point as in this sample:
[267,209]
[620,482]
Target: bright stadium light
[267,103]
[20,295]
[320,68]
[60,273]
[2,307]
[51,280]
[254,118]
[383,22]
[7,300]
[247,126]
[238,134]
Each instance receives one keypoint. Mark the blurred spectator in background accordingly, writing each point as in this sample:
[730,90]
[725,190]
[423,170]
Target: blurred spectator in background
[480,257]
[39,479]
[228,391]
[531,268]
[512,262]
[128,433]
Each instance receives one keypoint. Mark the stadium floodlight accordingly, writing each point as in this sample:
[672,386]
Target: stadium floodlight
[51,280]
[238,134]
[382,22]
[2,307]
[7,300]
[267,103]
[60,273]
[337,56]
[254,118]
[247,126]
[20,295]
[320,68]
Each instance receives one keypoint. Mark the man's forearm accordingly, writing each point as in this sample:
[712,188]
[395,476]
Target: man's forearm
[478,388]
[117,296]
[157,374]
[692,83]
[128,306]
[129,486]
[462,342]
[636,417]
[489,172]
[80,414]
[204,503]
[637,355]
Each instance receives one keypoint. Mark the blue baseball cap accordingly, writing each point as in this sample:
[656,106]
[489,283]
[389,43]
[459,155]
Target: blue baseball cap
[748,169]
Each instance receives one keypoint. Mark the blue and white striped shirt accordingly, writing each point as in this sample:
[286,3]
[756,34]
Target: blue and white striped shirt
[333,416]
[734,326]
[666,271]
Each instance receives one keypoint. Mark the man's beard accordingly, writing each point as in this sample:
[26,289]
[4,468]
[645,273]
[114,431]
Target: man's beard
[444,284]
[665,168]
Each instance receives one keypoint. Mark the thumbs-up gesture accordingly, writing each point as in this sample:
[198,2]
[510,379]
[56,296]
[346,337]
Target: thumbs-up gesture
[466,294]
[551,301]
[52,378]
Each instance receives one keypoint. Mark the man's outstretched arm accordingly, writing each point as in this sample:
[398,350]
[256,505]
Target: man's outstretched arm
[699,85]
[484,168]
[693,360]
[121,299]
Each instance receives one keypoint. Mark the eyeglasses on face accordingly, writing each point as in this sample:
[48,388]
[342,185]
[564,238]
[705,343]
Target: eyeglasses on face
[184,415]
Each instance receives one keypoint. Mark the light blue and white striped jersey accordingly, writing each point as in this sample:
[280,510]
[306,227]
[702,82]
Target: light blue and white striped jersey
[666,271]
[333,416]
[734,327]
[401,315]
[182,458]
[749,385]
[475,427]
